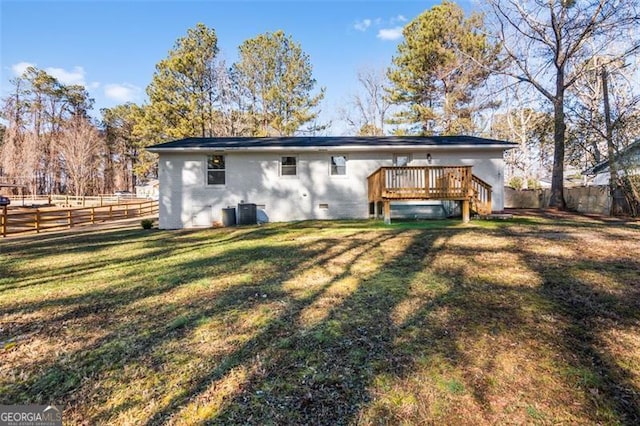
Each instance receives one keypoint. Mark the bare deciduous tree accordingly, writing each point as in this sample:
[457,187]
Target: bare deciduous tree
[80,148]
[367,109]
[546,44]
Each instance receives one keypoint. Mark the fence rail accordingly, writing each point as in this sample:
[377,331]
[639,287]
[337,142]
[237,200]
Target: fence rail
[71,200]
[38,220]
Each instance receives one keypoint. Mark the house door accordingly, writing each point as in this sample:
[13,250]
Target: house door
[399,178]
[401,160]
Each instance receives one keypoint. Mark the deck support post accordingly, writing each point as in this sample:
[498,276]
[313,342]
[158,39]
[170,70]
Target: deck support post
[465,211]
[387,212]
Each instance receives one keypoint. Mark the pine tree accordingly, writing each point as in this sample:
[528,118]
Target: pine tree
[183,91]
[274,77]
[439,66]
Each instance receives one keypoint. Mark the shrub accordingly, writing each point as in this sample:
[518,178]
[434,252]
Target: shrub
[516,182]
[533,183]
[146,223]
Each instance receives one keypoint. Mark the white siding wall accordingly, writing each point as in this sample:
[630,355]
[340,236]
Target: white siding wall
[186,200]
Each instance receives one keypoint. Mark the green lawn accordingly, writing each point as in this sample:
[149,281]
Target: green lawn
[522,321]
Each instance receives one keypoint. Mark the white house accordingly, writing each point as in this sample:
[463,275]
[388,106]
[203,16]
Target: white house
[627,161]
[297,178]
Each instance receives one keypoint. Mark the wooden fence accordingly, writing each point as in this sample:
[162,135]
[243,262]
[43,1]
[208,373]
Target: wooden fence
[71,200]
[43,219]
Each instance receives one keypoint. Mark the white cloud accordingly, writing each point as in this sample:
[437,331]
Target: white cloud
[19,68]
[75,76]
[122,92]
[390,33]
[399,18]
[362,25]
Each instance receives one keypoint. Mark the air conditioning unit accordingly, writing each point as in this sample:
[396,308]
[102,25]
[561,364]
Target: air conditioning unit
[247,214]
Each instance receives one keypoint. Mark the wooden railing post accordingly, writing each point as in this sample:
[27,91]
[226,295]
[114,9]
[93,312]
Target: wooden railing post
[69,219]
[93,215]
[426,182]
[37,224]
[126,211]
[4,221]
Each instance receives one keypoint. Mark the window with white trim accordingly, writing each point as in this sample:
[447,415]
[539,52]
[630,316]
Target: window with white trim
[401,160]
[216,170]
[338,165]
[289,166]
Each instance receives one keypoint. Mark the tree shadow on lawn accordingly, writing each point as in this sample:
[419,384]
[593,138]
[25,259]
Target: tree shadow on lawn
[328,372]
[325,375]
[592,311]
[307,375]
[157,244]
[581,299]
[134,332]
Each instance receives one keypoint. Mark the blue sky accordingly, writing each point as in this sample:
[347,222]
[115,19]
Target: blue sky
[112,47]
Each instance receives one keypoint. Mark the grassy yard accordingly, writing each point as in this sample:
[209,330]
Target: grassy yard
[530,320]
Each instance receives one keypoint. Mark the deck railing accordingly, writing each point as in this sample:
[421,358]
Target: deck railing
[481,195]
[414,182]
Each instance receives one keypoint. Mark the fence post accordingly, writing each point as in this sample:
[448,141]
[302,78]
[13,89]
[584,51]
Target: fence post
[110,211]
[126,211]
[37,224]
[4,221]
[69,221]
[93,215]
[83,200]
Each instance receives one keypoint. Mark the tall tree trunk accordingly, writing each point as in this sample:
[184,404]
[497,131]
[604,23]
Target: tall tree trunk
[557,178]
[613,170]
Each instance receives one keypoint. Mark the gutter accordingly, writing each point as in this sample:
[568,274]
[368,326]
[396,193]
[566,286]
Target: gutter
[357,148]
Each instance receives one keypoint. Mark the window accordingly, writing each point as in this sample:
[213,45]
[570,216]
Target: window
[338,165]
[215,170]
[288,166]
[401,160]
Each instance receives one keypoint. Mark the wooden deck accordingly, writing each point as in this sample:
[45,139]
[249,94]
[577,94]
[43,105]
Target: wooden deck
[444,183]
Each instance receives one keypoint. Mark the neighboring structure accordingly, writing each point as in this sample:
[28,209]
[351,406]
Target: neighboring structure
[627,161]
[150,190]
[297,178]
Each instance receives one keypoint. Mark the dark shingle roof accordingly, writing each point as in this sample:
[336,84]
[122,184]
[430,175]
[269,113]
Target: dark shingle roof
[326,142]
[623,154]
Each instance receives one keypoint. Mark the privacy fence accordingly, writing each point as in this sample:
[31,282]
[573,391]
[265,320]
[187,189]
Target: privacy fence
[21,220]
[584,199]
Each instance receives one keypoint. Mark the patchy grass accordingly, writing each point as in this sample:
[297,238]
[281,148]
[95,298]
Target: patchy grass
[530,320]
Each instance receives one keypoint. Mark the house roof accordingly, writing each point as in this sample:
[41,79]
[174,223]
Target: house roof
[623,154]
[327,142]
